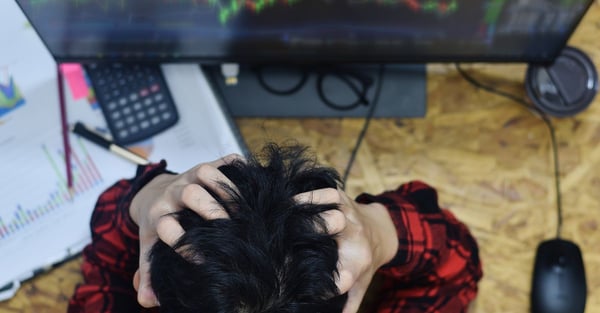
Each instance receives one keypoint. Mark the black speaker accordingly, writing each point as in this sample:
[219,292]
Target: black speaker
[565,87]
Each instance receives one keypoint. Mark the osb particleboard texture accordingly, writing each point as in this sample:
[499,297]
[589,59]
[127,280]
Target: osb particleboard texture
[488,157]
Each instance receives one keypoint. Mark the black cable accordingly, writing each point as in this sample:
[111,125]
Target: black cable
[347,77]
[548,123]
[363,131]
[361,94]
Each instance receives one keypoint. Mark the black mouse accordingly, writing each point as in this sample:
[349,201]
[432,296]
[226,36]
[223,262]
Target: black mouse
[558,283]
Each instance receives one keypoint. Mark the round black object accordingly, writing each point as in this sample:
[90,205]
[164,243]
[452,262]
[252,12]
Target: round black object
[565,87]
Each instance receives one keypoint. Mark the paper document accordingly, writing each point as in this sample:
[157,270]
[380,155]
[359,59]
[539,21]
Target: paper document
[41,222]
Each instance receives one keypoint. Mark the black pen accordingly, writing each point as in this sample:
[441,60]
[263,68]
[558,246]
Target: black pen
[100,140]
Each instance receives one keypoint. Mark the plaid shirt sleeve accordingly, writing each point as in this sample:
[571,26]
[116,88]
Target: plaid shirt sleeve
[111,259]
[437,266]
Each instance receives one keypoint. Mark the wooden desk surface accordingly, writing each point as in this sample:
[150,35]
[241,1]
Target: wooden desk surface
[489,158]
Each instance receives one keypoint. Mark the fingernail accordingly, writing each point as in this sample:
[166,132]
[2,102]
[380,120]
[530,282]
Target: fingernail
[154,298]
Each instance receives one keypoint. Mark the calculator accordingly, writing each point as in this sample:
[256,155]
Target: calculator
[134,100]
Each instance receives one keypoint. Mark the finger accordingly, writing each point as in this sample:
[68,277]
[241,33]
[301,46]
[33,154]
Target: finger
[169,230]
[351,306]
[136,280]
[197,199]
[227,159]
[353,261]
[145,294]
[319,196]
[344,280]
[211,178]
[335,220]
[354,300]
[191,176]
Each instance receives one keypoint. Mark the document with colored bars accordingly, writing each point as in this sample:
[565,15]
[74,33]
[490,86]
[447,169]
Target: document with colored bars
[41,221]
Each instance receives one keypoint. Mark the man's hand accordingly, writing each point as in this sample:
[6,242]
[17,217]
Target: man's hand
[366,238]
[165,194]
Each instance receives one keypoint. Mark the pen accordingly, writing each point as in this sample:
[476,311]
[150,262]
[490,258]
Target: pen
[64,128]
[101,141]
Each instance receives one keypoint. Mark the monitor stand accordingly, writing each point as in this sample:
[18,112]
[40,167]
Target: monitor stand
[403,93]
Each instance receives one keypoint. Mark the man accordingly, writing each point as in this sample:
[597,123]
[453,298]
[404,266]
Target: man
[272,234]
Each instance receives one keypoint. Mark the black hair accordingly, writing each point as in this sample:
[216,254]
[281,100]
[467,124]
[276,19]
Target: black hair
[273,255]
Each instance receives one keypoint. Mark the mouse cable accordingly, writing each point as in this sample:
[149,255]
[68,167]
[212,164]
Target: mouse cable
[363,131]
[537,112]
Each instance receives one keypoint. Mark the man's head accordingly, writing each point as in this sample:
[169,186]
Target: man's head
[273,254]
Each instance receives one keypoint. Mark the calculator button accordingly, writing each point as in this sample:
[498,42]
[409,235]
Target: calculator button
[158,97]
[122,101]
[129,120]
[123,133]
[106,96]
[119,124]
[126,110]
[134,129]
[152,111]
[166,115]
[133,97]
[144,124]
[155,120]
[115,115]
[141,115]
[147,101]
[111,105]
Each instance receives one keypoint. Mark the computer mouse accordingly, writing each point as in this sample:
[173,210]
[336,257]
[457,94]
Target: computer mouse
[558,282]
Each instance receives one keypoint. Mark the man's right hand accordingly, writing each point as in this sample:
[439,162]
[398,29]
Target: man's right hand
[366,238]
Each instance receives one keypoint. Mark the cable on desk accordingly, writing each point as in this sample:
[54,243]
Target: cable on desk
[537,112]
[365,125]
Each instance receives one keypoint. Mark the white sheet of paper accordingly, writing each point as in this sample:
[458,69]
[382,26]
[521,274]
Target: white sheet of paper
[40,221]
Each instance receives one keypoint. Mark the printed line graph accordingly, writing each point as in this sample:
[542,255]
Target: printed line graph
[86,177]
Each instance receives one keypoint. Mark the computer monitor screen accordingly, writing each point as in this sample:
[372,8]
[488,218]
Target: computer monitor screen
[305,30]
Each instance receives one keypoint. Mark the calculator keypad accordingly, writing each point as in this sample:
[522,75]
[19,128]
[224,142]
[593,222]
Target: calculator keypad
[134,99]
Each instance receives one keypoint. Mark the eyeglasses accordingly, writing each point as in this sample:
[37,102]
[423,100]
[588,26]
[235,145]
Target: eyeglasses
[339,88]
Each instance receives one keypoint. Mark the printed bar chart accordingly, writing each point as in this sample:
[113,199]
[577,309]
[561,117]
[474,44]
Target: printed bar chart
[86,177]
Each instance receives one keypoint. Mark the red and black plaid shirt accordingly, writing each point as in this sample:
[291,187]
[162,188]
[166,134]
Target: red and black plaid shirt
[436,268]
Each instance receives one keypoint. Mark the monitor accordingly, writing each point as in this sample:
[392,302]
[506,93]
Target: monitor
[391,31]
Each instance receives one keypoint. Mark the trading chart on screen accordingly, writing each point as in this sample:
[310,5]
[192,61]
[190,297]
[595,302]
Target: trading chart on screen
[172,28]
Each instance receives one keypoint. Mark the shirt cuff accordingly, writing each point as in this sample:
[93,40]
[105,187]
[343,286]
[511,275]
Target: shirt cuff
[144,174]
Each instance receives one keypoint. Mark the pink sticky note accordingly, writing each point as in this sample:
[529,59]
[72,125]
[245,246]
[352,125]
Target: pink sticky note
[75,77]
